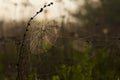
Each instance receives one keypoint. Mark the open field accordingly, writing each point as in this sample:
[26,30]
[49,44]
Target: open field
[84,45]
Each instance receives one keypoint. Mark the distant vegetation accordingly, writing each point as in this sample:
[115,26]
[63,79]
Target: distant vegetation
[50,50]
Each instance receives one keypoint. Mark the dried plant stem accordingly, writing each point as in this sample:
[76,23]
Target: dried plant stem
[23,61]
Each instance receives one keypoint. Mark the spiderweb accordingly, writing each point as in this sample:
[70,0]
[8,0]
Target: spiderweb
[43,36]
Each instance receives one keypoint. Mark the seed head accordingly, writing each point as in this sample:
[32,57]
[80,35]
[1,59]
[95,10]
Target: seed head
[28,24]
[51,3]
[26,29]
[37,12]
[31,18]
[44,6]
[41,10]
[24,35]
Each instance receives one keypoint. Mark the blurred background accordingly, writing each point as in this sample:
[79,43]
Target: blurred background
[70,40]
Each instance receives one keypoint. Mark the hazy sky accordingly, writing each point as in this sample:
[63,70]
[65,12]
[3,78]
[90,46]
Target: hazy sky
[23,9]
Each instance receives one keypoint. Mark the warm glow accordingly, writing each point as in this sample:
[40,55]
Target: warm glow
[24,9]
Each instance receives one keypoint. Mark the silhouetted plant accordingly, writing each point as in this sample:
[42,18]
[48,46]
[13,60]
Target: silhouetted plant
[23,71]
